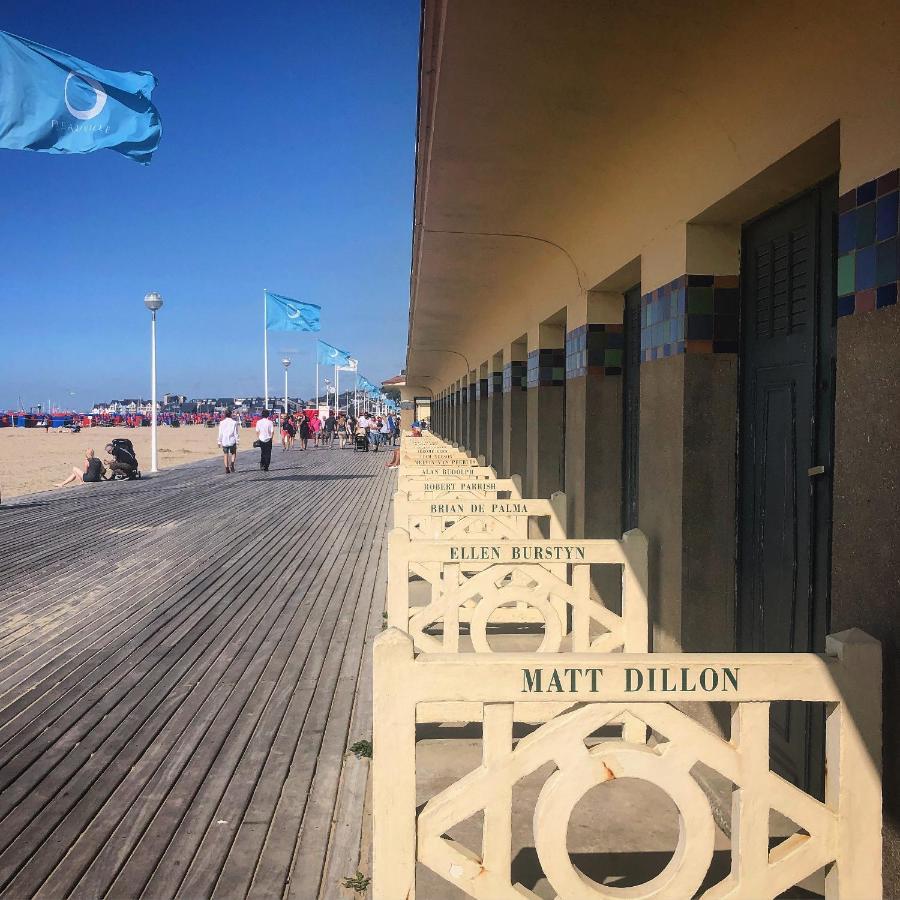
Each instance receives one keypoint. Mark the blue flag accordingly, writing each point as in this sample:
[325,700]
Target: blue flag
[57,103]
[284,314]
[331,356]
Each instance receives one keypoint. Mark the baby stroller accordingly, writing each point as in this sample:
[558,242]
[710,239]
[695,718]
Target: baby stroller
[125,444]
[361,442]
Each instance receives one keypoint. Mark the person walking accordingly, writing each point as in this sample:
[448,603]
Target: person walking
[393,430]
[386,432]
[330,426]
[229,435]
[315,423]
[342,430]
[265,431]
[288,430]
[305,431]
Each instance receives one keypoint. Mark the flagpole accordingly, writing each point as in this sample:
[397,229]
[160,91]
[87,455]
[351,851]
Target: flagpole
[265,354]
[337,392]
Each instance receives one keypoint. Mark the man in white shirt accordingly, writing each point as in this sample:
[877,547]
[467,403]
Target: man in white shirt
[229,435]
[265,430]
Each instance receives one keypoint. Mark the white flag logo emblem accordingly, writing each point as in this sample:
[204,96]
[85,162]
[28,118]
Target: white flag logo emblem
[99,103]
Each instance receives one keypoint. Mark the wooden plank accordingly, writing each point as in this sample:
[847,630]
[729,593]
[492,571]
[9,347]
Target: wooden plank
[317,810]
[344,845]
[122,689]
[271,742]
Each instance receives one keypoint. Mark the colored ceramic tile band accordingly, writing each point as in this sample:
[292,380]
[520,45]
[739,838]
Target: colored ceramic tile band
[692,314]
[547,367]
[495,383]
[515,375]
[595,348]
[868,248]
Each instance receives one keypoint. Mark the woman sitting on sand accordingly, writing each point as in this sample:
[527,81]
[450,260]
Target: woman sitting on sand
[94,470]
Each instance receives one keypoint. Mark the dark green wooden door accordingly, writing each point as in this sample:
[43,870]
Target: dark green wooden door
[785,440]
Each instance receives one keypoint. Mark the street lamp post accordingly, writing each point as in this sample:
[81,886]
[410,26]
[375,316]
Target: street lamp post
[153,301]
[287,364]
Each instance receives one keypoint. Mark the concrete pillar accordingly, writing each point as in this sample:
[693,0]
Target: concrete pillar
[688,416]
[546,423]
[481,412]
[515,408]
[594,343]
[460,413]
[495,429]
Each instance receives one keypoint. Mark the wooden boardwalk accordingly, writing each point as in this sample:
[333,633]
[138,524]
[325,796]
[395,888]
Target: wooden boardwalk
[180,661]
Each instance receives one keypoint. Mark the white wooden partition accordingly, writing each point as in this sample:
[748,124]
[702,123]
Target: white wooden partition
[410,479]
[484,576]
[491,517]
[458,488]
[843,833]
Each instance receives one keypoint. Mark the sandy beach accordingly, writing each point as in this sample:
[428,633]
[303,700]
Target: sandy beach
[32,460]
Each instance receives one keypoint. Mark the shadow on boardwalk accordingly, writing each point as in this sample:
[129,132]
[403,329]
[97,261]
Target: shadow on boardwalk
[180,661]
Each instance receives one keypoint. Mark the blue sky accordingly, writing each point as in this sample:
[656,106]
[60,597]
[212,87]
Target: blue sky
[286,163]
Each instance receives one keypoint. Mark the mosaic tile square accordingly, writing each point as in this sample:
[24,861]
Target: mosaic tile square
[865,269]
[727,301]
[865,301]
[699,328]
[886,295]
[700,300]
[725,328]
[865,193]
[847,232]
[847,201]
[887,183]
[846,277]
[865,225]
[846,305]
[886,216]
[886,261]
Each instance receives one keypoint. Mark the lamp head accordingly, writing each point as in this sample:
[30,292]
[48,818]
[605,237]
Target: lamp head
[286,362]
[153,301]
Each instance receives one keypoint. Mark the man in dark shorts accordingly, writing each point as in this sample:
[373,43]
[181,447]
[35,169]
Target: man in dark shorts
[122,462]
[229,435]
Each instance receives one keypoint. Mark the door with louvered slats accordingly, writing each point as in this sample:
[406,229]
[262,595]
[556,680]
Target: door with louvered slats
[785,438]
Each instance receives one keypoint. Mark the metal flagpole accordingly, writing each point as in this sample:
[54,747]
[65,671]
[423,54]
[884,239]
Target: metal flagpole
[337,391]
[265,354]
[154,464]
[317,381]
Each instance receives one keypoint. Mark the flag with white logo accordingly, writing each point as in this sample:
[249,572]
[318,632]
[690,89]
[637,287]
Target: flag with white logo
[327,355]
[56,103]
[284,314]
